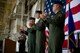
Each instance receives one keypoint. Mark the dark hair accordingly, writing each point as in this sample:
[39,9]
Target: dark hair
[32,18]
[37,11]
[58,2]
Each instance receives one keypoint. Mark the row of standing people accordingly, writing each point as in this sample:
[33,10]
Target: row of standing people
[36,32]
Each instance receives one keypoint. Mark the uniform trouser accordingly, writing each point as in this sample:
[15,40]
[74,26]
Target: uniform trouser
[40,47]
[31,47]
[22,47]
[55,45]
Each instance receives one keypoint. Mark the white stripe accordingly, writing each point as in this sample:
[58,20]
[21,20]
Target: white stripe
[47,29]
[66,37]
[76,18]
[66,33]
[72,4]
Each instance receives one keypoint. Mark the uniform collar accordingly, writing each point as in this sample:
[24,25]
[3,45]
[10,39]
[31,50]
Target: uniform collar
[57,12]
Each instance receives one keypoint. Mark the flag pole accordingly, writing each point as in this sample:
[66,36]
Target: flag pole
[68,35]
[68,44]
[68,32]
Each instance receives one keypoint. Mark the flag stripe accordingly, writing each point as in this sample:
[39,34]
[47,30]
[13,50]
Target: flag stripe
[77,26]
[74,10]
[67,1]
[65,45]
[76,18]
[73,4]
[76,31]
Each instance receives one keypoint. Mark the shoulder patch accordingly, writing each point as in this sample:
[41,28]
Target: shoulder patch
[60,15]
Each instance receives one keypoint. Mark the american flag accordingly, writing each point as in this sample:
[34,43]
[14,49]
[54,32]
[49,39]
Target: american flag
[48,7]
[75,9]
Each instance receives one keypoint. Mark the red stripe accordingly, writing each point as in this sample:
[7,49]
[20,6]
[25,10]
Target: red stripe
[47,33]
[65,44]
[67,1]
[77,26]
[74,10]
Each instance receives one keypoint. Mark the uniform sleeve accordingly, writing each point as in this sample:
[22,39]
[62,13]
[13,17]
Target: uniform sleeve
[57,20]
[40,26]
[26,32]
[31,30]
[46,23]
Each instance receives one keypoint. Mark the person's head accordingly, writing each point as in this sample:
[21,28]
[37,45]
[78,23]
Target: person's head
[37,14]
[30,22]
[57,6]
[42,15]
